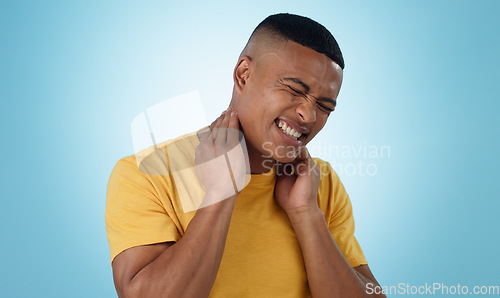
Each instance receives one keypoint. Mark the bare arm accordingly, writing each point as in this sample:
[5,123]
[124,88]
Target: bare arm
[328,272]
[187,268]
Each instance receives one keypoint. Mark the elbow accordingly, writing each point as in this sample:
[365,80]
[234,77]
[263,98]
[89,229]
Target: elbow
[135,289]
[129,291]
[138,288]
[130,288]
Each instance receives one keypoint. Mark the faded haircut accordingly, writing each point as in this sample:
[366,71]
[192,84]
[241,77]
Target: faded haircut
[303,31]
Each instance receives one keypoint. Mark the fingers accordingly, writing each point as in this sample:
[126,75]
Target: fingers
[223,127]
[204,134]
[222,133]
[305,164]
[214,127]
[302,162]
[303,155]
[233,128]
[302,165]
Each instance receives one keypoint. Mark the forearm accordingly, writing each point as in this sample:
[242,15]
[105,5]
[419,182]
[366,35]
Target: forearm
[189,267]
[328,272]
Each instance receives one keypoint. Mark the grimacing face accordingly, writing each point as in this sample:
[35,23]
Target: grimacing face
[293,86]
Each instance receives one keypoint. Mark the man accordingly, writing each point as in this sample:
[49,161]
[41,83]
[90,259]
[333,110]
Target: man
[288,233]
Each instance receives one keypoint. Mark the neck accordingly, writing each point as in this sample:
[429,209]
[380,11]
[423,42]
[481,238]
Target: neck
[258,163]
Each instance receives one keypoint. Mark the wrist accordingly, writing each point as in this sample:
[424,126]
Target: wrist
[217,201]
[302,215]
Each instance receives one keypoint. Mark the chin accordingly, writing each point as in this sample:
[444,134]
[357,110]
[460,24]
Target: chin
[284,156]
[285,160]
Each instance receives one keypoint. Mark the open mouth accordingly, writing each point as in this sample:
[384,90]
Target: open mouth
[289,131]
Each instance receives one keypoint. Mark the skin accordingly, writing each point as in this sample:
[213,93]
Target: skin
[262,88]
[263,92]
[188,267]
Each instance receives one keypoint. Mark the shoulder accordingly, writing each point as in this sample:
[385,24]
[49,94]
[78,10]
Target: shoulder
[156,160]
[135,167]
[128,163]
[151,170]
[125,167]
[127,179]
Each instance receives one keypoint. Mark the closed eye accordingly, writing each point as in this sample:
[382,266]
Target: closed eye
[298,92]
[320,105]
[324,108]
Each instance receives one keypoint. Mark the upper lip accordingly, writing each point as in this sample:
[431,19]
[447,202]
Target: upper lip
[295,126]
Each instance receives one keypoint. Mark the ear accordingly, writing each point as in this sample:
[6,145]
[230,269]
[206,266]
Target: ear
[242,73]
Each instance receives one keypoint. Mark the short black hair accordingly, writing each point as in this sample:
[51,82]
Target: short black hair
[304,31]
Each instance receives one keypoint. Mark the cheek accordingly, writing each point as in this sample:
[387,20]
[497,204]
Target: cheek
[251,114]
[321,120]
[264,103]
[278,102]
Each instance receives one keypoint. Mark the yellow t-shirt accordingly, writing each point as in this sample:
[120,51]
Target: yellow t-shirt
[261,258]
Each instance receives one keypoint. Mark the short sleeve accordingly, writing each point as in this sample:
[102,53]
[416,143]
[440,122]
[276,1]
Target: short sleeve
[341,220]
[134,213]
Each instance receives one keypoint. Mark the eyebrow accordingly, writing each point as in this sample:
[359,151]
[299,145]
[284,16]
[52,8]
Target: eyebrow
[307,88]
[299,81]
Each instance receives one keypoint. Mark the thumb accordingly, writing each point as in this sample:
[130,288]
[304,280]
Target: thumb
[303,162]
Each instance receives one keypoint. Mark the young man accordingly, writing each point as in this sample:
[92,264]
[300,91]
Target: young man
[287,233]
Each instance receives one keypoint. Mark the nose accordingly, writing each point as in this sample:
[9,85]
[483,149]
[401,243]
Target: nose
[306,111]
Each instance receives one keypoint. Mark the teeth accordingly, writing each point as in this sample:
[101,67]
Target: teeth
[288,130]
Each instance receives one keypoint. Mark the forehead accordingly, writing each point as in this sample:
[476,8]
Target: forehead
[297,61]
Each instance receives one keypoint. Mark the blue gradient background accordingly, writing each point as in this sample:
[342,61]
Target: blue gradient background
[420,77]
